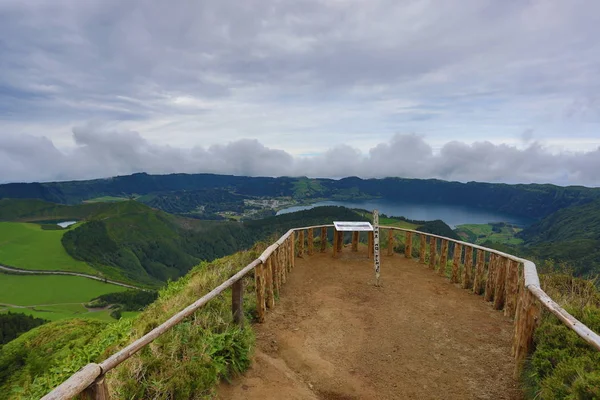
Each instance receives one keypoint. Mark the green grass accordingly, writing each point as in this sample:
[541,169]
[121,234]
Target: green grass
[106,199]
[56,313]
[480,233]
[397,223]
[24,290]
[28,246]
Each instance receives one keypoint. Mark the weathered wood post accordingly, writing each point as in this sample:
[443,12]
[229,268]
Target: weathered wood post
[340,243]
[512,288]
[500,284]
[528,315]
[432,251]
[467,272]
[370,245]
[96,391]
[276,272]
[443,257]
[292,251]
[390,245]
[354,241]
[422,247]
[311,241]
[323,239]
[491,277]
[301,243]
[479,272]
[335,242]
[259,282]
[456,259]
[237,302]
[408,245]
[269,295]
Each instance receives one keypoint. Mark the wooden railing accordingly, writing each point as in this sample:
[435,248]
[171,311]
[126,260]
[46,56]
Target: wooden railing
[510,283]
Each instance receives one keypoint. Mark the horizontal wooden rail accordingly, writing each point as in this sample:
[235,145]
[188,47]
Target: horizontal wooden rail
[277,260]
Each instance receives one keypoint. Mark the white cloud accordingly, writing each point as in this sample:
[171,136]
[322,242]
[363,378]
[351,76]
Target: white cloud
[103,152]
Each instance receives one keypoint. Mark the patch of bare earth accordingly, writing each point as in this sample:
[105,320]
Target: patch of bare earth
[334,335]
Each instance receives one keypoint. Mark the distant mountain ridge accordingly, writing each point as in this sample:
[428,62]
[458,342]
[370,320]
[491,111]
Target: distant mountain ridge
[525,200]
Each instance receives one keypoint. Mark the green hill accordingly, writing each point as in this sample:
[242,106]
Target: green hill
[185,192]
[570,235]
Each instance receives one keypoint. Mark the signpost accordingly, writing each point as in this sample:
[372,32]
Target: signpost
[376,245]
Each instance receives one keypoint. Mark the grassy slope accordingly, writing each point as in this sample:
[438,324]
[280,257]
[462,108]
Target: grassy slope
[28,246]
[187,362]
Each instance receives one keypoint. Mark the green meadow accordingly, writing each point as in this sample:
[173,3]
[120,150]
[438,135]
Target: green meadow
[53,297]
[28,246]
[24,290]
[106,199]
[480,233]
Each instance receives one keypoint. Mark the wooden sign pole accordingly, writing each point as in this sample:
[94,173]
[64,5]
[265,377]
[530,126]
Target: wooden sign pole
[376,246]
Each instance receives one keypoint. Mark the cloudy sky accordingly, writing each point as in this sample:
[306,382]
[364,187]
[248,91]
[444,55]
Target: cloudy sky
[503,91]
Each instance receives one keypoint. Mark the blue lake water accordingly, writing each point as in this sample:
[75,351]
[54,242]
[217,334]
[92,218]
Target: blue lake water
[450,214]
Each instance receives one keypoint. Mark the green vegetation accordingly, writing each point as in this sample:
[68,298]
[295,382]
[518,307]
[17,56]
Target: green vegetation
[568,236]
[28,246]
[205,203]
[563,366]
[186,362]
[531,201]
[52,297]
[130,300]
[496,232]
[12,325]
[106,199]
[438,227]
[28,290]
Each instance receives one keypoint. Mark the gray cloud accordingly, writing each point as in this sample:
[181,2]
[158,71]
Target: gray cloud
[355,72]
[102,152]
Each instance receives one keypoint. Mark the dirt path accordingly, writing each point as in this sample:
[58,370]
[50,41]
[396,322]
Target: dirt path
[334,335]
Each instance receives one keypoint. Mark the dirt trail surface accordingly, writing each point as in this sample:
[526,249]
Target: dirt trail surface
[334,335]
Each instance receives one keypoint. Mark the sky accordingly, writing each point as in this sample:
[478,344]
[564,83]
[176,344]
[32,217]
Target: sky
[485,90]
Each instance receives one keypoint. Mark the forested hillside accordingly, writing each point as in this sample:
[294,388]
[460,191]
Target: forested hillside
[531,201]
[571,235]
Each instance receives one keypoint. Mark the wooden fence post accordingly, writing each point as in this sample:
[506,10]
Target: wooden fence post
[422,248]
[432,251]
[276,271]
[528,312]
[500,284]
[512,287]
[443,257]
[301,243]
[323,239]
[311,241]
[259,282]
[335,242]
[479,272]
[354,241]
[370,246]
[490,279]
[456,262]
[96,391]
[270,296]
[237,302]
[467,268]
[292,251]
[390,246]
[340,243]
[408,245]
